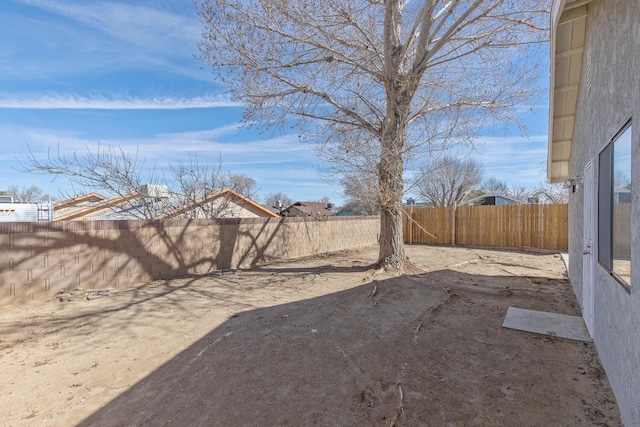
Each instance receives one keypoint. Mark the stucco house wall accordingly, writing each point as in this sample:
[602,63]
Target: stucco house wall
[229,208]
[609,95]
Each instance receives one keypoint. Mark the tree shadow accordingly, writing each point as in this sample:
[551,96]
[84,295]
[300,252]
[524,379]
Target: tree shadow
[128,305]
[424,349]
[114,253]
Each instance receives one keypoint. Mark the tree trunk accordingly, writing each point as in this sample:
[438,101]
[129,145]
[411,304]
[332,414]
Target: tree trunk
[391,239]
[390,177]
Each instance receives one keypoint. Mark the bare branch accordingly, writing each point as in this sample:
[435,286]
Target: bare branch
[122,176]
[376,84]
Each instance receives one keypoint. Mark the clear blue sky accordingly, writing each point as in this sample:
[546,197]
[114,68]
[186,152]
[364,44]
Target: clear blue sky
[77,73]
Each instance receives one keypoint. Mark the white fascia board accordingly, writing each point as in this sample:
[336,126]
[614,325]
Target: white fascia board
[556,10]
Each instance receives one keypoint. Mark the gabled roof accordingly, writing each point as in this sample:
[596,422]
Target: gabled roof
[475,200]
[96,208]
[310,209]
[225,192]
[80,200]
[568,34]
[93,206]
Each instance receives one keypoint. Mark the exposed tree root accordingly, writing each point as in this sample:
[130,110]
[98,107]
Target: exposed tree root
[400,409]
[398,267]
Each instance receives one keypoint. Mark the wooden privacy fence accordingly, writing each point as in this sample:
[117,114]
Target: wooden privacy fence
[530,226]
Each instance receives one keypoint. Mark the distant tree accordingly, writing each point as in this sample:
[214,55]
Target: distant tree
[494,186]
[448,180]
[522,193]
[621,180]
[471,195]
[195,180]
[243,184]
[551,193]
[115,172]
[27,194]
[543,193]
[272,200]
[377,83]
[361,193]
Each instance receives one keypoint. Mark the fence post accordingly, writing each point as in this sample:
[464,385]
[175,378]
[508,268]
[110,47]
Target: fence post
[453,223]
[410,224]
[541,236]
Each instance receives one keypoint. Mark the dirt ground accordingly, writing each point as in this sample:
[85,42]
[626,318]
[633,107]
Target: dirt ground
[319,341]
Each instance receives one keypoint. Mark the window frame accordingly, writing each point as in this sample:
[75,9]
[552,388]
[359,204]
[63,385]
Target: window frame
[605,200]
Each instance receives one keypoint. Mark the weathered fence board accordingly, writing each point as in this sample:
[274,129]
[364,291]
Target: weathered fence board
[531,226]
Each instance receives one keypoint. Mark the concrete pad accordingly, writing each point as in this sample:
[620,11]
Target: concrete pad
[553,324]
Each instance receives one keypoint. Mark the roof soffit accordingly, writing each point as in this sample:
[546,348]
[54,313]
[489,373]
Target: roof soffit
[568,34]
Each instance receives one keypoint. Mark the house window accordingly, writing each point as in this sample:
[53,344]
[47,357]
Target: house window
[614,207]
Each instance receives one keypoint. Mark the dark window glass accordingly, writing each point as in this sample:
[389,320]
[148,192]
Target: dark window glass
[614,206]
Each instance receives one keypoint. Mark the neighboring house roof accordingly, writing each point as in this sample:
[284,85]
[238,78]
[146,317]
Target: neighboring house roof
[309,209]
[498,199]
[273,209]
[94,209]
[130,207]
[568,33]
[236,197]
[77,201]
[415,204]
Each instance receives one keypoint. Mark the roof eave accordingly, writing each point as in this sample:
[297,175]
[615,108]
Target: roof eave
[573,12]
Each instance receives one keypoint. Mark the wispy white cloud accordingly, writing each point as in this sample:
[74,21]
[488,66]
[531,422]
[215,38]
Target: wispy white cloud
[71,101]
[78,37]
[277,164]
[515,160]
[144,25]
[249,156]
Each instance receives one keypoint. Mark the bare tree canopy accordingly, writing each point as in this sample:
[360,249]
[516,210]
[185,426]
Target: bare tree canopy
[375,81]
[278,200]
[114,172]
[552,193]
[495,186]
[449,180]
[26,194]
[361,192]
[543,193]
[243,184]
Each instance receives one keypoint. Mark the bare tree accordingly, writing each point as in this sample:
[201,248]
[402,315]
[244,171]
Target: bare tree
[495,186]
[243,184]
[621,180]
[278,200]
[197,193]
[27,194]
[498,187]
[449,180]
[361,192]
[387,78]
[551,193]
[112,171]
[522,193]
[543,193]
[189,189]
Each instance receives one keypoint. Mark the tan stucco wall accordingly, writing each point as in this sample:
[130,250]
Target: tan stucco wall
[39,259]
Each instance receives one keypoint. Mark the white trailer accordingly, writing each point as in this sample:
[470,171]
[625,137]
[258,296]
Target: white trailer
[11,211]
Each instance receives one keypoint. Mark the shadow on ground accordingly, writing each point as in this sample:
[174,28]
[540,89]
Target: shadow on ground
[426,349]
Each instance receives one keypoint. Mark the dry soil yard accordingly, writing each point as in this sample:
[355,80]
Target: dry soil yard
[317,341]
